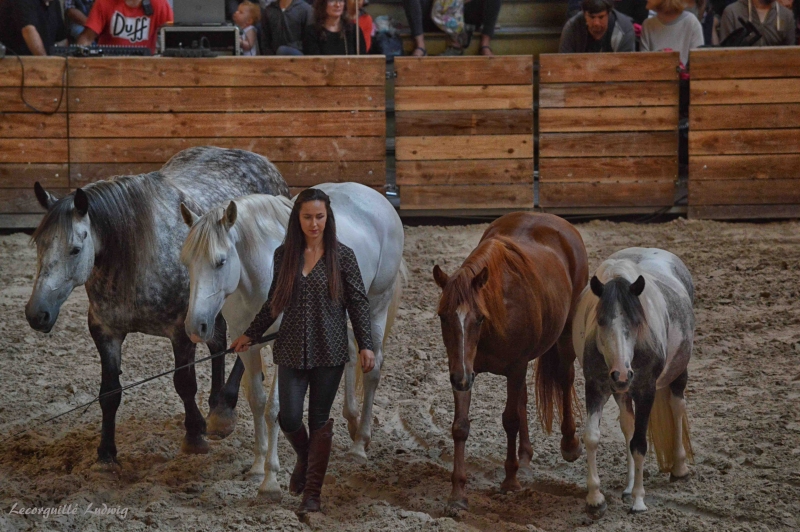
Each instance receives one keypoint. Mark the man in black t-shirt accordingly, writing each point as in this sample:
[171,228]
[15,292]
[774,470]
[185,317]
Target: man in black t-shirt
[31,27]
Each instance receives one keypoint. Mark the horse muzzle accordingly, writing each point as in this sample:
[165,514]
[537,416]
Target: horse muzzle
[40,320]
[621,382]
[462,383]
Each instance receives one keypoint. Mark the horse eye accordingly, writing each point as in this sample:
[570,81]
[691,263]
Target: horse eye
[75,251]
[221,263]
[480,319]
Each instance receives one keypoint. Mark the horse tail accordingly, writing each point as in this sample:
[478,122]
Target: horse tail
[550,373]
[661,431]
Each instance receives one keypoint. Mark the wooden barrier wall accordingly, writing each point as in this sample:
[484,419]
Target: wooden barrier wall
[744,133]
[608,130]
[464,135]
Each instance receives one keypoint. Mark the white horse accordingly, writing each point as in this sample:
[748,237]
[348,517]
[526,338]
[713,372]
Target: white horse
[229,256]
[633,333]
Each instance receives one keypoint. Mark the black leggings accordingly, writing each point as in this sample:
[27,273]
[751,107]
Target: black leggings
[292,387]
[477,12]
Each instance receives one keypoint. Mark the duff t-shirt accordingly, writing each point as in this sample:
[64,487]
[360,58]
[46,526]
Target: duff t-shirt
[116,23]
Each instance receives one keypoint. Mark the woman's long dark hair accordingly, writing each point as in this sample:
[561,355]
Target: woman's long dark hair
[321,15]
[294,246]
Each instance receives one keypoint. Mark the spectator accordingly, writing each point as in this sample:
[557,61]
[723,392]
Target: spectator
[332,33]
[246,16]
[125,23]
[31,27]
[705,14]
[76,12]
[283,25]
[598,28]
[672,28]
[775,23]
[481,13]
[365,22]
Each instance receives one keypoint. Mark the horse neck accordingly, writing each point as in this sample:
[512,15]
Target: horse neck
[255,258]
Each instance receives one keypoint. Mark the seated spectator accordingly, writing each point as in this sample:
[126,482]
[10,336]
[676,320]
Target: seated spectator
[246,16]
[598,28]
[479,13]
[76,12]
[31,27]
[365,22]
[332,33]
[125,23]
[672,28]
[775,23]
[283,25]
[636,9]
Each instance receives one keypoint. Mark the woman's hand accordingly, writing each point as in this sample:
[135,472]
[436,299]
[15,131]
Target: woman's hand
[367,360]
[241,344]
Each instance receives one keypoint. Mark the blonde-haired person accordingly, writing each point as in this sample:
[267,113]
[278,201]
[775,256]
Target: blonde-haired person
[246,17]
[673,28]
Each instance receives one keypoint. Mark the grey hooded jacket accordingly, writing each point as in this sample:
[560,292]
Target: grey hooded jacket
[619,37]
[778,28]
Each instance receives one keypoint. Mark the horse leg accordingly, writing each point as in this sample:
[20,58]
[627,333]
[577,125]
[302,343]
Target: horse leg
[525,447]
[644,403]
[511,422]
[570,444]
[109,346]
[358,451]
[626,423]
[678,405]
[216,344]
[272,467]
[257,398]
[221,420]
[458,497]
[350,408]
[185,382]
[595,401]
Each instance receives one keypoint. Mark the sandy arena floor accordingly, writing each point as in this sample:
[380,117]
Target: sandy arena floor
[743,393]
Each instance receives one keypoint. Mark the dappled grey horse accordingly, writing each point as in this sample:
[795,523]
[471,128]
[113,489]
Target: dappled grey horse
[122,239]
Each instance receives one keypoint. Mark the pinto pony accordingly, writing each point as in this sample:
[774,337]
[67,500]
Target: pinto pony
[512,301]
[633,334]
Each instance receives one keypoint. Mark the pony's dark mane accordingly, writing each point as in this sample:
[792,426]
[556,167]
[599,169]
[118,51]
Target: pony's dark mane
[121,215]
[498,255]
[617,291]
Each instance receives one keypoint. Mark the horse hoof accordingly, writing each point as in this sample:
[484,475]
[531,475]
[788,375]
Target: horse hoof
[638,508]
[525,462]
[456,506]
[510,485]
[627,498]
[596,512]
[107,466]
[220,423]
[572,452]
[675,478]
[357,455]
[270,492]
[194,445]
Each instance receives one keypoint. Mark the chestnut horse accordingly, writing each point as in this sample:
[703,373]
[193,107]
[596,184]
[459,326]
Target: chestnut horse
[512,301]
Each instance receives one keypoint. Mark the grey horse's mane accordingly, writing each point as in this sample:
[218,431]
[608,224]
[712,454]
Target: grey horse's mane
[121,215]
[258,215]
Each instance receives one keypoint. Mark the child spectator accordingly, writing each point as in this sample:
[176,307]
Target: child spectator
[775,22]
[598,28]
[76,12]
[333,33]
[246,16]
[125,23]
[283,25]
[672,28]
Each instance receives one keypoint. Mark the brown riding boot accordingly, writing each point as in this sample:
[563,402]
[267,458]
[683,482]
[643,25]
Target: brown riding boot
[299,441]
[319,451]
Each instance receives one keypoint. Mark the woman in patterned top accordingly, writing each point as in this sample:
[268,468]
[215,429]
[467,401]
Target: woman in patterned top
[317,284]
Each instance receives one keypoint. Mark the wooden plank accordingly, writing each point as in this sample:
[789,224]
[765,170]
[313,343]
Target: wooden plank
[421,123]
[276,149]
[743,212]
[39,72]
[608,119]
[642,144]
[651,93]
[585,68]
[753,116]
[33,151]
[650,194]
[25,175]
[594,169]
[188,125]
[44,99]
[481,97]
[463,147]
[724,167]
[733,142]
[743,63]
[744,191]
[467,197]
[23,200]
[263,71]
[20,221]
[209,99]
[30,125]
[441,71]
[738,91]
[474,172]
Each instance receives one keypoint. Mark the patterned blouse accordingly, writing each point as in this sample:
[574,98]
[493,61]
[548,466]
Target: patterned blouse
[313,332]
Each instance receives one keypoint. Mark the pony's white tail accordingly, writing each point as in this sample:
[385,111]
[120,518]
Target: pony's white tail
[661,431]
[400,281]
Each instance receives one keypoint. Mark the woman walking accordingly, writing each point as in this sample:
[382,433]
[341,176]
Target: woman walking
[317,284]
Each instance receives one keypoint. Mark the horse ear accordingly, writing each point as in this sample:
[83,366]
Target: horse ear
[230,216]
[637,287]
[81,202]
[440,277]
[597,286]
[189,217]
[479,280]
[45,199]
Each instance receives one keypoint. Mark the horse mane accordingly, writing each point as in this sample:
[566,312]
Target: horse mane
[499,255]
[121,215]
[258,215]
[617,291]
